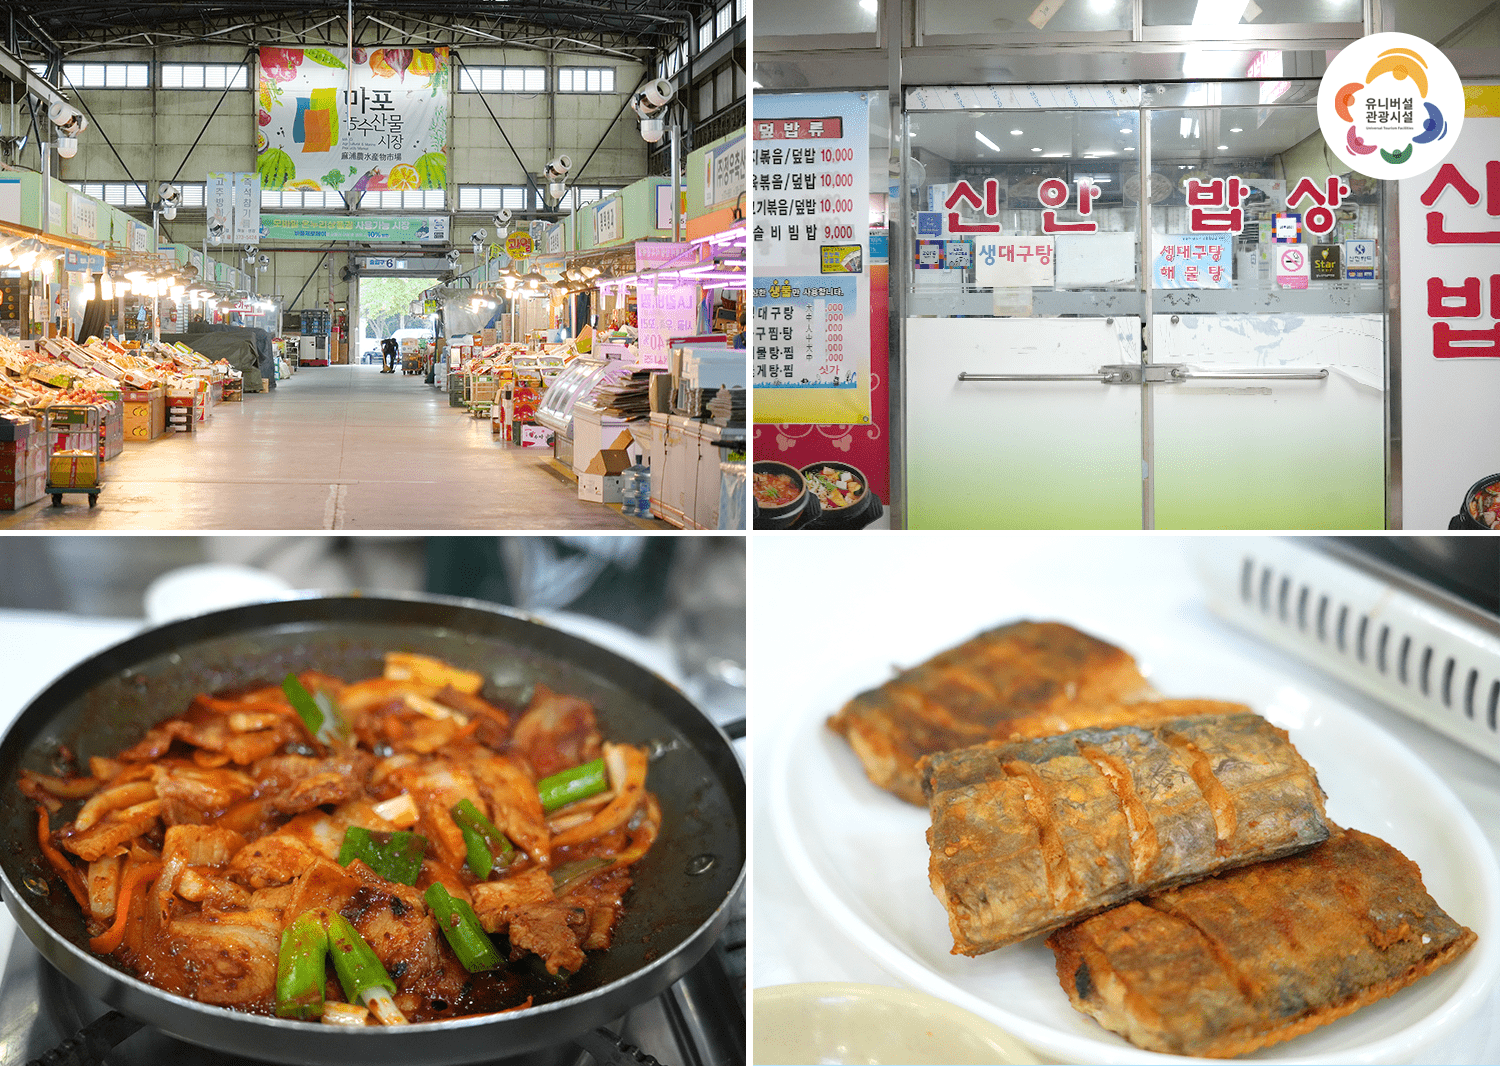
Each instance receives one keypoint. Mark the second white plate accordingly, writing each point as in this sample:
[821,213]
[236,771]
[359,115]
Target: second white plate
[861,857]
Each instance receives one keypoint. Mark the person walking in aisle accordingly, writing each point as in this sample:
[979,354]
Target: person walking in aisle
[389,353]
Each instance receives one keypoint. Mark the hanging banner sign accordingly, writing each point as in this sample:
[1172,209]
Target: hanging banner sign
[77,262]
[555,239]
[518,245]
[1450,320]
[665,308]
[353,228]
[810,155]
[10,200]
[724,180]
[140,237]
[246,208]
[379,125]
[219,199]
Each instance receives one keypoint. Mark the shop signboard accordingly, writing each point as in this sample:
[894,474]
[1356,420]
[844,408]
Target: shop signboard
[379,125]
[10,200]
[83,216]
[664,205]
[386,228]
[518,245]
[1450,319]
[79,263]
[555,239]
[246,208]
[665,307]
[724,181]
[140,237]
[219,199]
[810,158]
[195,258]
[1194,261]
[609,220]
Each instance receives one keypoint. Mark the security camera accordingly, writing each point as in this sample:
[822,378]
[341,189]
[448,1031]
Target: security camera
[168,193]
[558,169]
[250,253]
[68,119]
[479,236]
[650,103]
[453,258]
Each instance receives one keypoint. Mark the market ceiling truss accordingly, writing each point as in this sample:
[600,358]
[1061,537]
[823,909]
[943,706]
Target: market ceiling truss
[633,29]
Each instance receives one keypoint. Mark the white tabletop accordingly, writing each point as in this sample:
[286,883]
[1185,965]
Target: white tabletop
[814,597]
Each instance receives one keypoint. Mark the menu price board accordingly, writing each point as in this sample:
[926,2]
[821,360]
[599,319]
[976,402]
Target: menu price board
[810,331]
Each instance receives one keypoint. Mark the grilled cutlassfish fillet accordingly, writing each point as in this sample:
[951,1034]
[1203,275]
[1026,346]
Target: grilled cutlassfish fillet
[1030,836]
[1025,679]
[1262,954]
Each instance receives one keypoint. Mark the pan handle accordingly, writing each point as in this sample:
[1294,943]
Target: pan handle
[92,1043]
[606,1049]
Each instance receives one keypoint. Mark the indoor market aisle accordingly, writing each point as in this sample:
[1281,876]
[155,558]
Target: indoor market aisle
[339,447]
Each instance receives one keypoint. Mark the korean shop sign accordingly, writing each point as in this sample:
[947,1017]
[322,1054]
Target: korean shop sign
[1391,106]
[1450,319]
[809,218]
[969,211]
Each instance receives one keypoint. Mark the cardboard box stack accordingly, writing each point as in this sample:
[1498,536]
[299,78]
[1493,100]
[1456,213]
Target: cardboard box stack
[23,461]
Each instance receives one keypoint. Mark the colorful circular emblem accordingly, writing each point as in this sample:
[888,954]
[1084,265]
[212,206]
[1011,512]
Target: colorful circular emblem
[1391,105]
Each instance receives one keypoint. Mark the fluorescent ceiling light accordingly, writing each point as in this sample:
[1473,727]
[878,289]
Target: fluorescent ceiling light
[1016,133]
[982,139]
[1219,12]
[1130,148]
[1126,129]
[1223,147]
[1036,149]
[869,5]
[1185,127]
[1236,129]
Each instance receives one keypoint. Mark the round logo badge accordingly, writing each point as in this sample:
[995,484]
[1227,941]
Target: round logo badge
[1391,105]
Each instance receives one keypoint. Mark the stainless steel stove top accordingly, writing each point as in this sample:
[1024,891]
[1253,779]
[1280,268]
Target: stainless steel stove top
[699,1021]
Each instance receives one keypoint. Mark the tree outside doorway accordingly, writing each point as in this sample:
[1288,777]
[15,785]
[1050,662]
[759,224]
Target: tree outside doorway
[385,307]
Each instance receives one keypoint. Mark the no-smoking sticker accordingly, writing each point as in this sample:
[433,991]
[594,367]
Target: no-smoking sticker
[1391,105]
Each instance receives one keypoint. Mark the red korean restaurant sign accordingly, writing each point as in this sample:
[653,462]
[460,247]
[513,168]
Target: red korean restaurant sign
[1450,319]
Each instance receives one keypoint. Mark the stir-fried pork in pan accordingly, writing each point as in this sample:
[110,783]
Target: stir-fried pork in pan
[445,859]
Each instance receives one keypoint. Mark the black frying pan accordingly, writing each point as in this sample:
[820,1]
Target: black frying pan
[677,908]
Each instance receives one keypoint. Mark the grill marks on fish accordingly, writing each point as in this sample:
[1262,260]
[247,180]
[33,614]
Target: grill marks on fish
[1019,680]
[1027,837]
[1230,964]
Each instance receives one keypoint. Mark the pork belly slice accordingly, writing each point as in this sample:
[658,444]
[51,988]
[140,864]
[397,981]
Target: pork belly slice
[1029,836]
[228,958]
[1019,680]
[524,907]
[1267,952]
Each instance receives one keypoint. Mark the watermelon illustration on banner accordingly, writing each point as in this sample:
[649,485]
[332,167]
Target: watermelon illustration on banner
[378,124]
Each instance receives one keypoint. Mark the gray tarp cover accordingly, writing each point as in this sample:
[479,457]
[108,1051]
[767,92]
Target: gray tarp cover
[237,346]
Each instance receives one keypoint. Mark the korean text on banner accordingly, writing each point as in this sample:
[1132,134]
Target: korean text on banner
[810,228]
[220,200]
[667,307]
[382,125]
[246,208]
[1450,319]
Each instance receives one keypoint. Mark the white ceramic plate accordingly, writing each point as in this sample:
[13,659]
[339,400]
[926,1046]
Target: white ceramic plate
[838,1022]
[860,854]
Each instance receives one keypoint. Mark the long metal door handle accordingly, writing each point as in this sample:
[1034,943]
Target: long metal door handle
[965,376]
[1270,372]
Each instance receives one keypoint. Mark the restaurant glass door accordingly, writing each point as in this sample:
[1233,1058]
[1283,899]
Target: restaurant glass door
[1073,362]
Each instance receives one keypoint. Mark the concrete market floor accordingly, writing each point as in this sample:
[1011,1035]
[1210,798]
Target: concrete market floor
[339,447]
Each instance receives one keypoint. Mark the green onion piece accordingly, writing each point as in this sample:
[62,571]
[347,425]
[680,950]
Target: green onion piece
[394,856]
[360,970]
[573,784]
[481,860]
[461,928]
[301,969]
[486,844]
[317,712]
[573,873]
